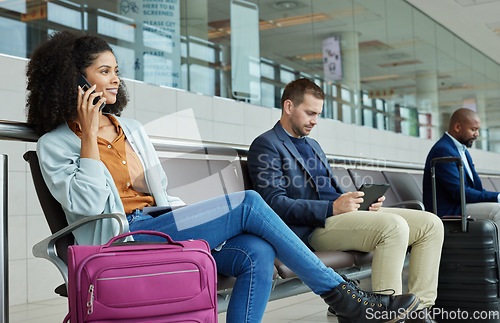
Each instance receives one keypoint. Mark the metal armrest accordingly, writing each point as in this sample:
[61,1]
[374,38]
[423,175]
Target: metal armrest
[47,248]
[411,204]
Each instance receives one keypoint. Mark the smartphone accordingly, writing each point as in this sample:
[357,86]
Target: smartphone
[372,193]
[85,85]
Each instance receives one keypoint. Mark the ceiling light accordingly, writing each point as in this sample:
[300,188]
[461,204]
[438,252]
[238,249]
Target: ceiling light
[221,28]
[299,20]
[394,64]
[285,5]
[310,57]
[379,78]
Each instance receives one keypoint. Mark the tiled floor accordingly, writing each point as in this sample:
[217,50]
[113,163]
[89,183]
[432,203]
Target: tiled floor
[305,308]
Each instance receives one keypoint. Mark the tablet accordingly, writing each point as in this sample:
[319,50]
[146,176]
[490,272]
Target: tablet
[372,194]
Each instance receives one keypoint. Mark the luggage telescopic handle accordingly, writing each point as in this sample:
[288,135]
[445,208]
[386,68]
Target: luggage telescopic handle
[153,233]
[446,160]
[457,160]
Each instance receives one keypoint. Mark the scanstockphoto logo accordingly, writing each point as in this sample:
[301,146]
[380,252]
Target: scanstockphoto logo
[373,314]
[266,161]
[359,163]
[273,171]
[435,313]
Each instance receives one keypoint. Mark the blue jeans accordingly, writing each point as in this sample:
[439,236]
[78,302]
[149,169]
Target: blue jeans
[252,235]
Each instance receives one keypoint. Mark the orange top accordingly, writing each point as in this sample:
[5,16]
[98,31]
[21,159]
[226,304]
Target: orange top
[125,168]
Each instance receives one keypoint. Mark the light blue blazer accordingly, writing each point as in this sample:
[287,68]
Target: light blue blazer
[85,187]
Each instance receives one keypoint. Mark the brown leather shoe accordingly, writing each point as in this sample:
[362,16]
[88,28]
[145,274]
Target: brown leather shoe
[421,316]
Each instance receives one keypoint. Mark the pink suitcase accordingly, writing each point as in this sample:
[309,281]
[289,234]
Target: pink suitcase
[142,282]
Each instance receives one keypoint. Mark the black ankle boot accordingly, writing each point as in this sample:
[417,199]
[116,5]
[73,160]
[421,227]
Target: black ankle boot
[351,304]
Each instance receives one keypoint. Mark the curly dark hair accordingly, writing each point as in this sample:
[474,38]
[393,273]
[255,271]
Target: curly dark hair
[52,79]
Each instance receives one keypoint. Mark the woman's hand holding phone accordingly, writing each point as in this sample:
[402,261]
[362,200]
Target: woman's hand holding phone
[85,85]
[88,113]
[88,117]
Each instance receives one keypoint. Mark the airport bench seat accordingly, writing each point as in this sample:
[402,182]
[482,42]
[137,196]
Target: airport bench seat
[196,180]
[196,177]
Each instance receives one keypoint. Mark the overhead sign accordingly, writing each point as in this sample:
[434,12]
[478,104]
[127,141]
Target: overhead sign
[35,13]
[332,60]
[380,94]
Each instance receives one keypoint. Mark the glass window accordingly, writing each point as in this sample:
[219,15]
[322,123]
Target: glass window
[335,107]
[346,113]
[115,29]
[356,98]
[202,79]
[184,77]
[409,121]
[202,52]
[64,16]
[184,52]
[126,61]
[267,99]
[357,115]
[396,61]
[158,40]
[346,95]
[368,117]
[152,71]
[366,100]
[267,70]
[286,76]
[327,110]
[17,6]
[381,121]
[12,37]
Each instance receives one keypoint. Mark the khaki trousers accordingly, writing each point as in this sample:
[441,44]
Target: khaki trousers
[388,233]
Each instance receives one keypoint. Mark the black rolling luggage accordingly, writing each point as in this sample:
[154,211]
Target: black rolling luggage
[468,288]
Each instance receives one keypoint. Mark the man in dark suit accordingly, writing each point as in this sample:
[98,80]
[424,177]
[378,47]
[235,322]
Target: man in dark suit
[292,174]
[462,131]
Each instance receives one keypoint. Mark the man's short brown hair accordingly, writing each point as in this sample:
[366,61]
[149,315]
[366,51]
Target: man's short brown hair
[295,90]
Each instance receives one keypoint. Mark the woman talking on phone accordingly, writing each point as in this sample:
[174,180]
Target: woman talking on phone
[96,162]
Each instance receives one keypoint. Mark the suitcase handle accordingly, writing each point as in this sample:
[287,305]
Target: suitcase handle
[460,164]
[152,233]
